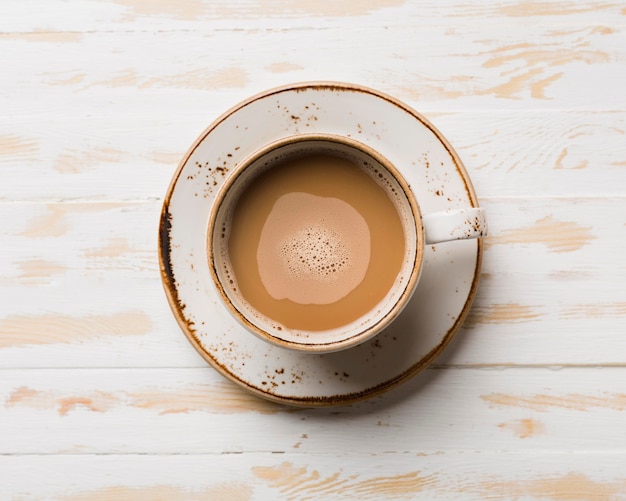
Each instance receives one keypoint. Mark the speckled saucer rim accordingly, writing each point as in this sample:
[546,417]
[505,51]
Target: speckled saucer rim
[169,286]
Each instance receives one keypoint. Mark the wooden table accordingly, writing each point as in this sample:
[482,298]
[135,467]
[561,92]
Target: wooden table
[101,395]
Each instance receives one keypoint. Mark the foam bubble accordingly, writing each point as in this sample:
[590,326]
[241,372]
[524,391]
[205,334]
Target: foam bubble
[313,250]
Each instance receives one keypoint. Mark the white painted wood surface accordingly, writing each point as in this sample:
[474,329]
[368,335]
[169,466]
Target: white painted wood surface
[102,397]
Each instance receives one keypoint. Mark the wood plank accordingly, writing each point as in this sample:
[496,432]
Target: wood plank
[127,158]
[191,411]
[518,66]
[94,15]
[550,291]
[463,475]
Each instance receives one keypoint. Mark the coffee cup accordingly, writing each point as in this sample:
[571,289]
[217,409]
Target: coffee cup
[316,242]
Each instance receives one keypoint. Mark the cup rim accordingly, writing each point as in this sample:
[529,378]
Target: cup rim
[387,315]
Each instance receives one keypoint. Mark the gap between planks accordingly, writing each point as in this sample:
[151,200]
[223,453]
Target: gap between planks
[159,200]
[312,454]
[556,367]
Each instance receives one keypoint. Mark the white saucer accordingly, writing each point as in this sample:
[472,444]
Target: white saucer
[446,288]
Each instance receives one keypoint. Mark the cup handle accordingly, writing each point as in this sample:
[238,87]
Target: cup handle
[454,225]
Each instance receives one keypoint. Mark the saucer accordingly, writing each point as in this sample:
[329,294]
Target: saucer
[450,272]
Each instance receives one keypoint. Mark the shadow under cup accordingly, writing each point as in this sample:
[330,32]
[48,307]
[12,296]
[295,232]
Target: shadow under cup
[279,153]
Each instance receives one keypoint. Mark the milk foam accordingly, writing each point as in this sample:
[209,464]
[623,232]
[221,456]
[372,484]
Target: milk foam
[313,249]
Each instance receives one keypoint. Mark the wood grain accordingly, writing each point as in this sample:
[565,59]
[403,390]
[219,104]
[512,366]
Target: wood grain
[51,329]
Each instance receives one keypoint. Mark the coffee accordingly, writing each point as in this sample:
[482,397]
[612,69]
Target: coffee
[315,241]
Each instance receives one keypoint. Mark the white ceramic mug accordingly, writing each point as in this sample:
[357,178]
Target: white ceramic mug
[419,230]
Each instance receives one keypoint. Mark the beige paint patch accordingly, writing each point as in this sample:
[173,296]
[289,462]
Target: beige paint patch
[16,147]
[124,78]
[23,394]
[603,30]
[502,314]
[510,89]
[298,481]
[115,247]
[538,88]
[571,275]
[534,66]
[53,222]
[570,487]
[180,400]
[541,55]
[519,68]
[196,9]
[67,81]
[38,271]
[65,405]
[562,164]
[595,311]
[40,35]
[188,10]
[78,160]
[202,79]
[117,254]
[427,90]
[572,401]
[166,157]
[284,67]
[226,399]
[515,85]
[524,428]
[337,8]
[393,485]
[558,236]
[233,491]
[25,397]
[528,9]
[24,330]
[518,83]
